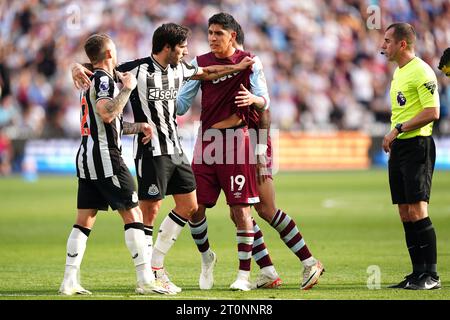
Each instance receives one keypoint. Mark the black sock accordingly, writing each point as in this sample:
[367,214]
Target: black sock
[412,243]
[427,243]
[148,230]
[86,231]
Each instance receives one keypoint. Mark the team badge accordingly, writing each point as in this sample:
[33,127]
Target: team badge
[153,190]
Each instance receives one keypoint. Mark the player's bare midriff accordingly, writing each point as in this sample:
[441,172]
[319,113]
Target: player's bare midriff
[230,122]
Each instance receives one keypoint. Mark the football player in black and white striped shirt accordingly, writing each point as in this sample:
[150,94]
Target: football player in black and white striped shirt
[103,178]
[162,167]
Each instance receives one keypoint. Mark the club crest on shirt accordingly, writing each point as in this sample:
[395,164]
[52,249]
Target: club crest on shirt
[153,190]
[401,100]
[134,197]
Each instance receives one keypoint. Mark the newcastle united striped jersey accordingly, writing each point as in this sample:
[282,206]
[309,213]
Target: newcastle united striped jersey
[99,155]
[154,101]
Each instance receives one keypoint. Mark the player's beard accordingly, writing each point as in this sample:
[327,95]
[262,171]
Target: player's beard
[174,59]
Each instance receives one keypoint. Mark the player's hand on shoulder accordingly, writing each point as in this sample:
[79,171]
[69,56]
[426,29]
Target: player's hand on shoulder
[128,79]
[245,63]
[80,76]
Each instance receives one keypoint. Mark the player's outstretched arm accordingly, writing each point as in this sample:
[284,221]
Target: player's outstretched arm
[80,75]
[218,71]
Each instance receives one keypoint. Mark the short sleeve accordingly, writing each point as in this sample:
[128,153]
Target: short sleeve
[427,90]
[258,82]
[104,87]
[189,70]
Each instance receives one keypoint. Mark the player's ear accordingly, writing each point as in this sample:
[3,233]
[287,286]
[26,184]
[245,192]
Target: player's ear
[108,54]
[403,44]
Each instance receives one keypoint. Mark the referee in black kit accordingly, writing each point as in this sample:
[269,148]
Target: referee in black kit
[412,153]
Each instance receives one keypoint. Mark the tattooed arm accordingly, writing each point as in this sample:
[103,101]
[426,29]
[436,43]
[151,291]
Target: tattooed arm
[133,128]
[138,127]
[218,71]
[109,109]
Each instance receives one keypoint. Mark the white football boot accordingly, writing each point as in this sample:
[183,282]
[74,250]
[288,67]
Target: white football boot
[311,275]
[162,276]
[153,287]
[206,280]
[70,287]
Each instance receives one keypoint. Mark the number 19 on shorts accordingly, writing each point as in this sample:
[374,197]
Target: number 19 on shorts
[239,180]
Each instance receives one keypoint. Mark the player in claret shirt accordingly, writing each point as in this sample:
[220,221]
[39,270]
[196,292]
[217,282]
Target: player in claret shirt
[256,102]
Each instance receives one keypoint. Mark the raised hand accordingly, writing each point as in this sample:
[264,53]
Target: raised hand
[80,76]
[128,80]
[245,63]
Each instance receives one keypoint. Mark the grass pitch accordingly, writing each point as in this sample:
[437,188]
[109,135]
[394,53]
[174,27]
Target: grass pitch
[346,218]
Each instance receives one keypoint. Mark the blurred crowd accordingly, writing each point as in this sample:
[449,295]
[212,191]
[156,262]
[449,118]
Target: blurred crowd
[321,58]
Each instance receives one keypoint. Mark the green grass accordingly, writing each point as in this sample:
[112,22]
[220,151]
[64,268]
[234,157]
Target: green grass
[346,218]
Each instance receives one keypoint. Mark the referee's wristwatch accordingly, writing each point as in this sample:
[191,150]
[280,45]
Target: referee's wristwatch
[399,126]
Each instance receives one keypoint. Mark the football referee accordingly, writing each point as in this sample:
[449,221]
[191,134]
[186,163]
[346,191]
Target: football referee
[412,153]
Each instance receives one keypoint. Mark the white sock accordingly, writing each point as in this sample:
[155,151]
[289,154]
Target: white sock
[136,244]
[168,232]
[149,241]
[149,244]
[76,246]
[207,256]
[309,262]
[270,272]
[243,275]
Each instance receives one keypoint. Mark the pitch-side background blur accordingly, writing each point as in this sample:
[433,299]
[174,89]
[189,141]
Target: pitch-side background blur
[328,82]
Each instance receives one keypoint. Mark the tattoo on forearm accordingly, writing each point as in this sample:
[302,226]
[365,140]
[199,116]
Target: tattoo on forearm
[131,128]
[219,71]
[116,105]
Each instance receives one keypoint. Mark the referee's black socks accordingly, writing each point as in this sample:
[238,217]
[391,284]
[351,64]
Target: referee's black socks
[415,253]
[427,243]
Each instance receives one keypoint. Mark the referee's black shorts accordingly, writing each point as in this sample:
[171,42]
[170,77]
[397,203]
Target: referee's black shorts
[118,191]
[163,175]
[411,166]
